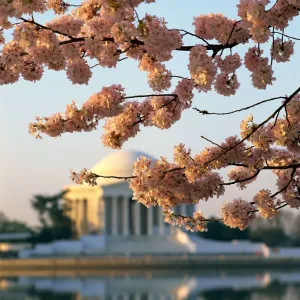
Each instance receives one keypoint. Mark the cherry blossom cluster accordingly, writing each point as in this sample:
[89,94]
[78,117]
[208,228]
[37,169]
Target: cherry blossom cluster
[194,224]
[123,119]
[100,105]
[284,131]
[159,77]
[262,73]
[238,213]
[289,183]
[266,204]
[167,185]
[242,176]
[103,30]
[220,28]
[258,19]
[84,176]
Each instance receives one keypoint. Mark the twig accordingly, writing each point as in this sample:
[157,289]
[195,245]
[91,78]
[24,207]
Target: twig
[259,125]
[287,117]
[203,137]
[205,112]
[273,47]
[180,77]
[195,35]
[285,35]
[151,95]
[242,180]
[115,177]
[230,35]
[287,185]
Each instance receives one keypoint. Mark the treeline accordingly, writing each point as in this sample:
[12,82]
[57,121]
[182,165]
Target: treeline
[54,220]
[55,224]
[284,230]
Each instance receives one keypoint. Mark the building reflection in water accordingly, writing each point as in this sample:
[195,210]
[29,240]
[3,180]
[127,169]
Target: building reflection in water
[255,286]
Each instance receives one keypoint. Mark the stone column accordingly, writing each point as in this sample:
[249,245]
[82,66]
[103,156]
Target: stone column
[85,222]
[114,216]
[125,212]
[77,217]
[150,220]
[161,223]
[183,209]
[137,218]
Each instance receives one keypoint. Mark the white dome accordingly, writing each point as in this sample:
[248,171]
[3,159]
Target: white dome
[118,163]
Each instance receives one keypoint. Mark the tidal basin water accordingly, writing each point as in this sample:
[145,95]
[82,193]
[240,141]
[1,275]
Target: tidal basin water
[206,285]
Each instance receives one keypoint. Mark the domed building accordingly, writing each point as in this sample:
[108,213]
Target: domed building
[108,210]
[110,222]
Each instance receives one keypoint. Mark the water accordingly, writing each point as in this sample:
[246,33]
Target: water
[205,285]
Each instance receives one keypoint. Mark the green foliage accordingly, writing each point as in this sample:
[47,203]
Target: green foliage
[218,231]
[271,232]
[53,216]
[12,226]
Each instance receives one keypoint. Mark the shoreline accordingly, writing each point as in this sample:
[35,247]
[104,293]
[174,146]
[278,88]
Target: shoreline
[143,264]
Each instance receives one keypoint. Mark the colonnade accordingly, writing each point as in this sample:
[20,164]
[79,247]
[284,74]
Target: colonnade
[125,217]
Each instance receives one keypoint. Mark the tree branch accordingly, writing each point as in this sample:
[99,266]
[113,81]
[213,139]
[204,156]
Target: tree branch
[203,137]
[285,35]
[287,185]
[205,112]
[288,99]
[243,180]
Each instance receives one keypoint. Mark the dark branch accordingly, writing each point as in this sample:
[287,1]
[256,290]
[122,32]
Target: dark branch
[288,99]
[203,137]
[205,112]
[288,36]
[243,180]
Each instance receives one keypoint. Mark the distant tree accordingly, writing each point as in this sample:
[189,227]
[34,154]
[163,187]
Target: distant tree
[295,231]
[218,231]
[271,232]
[272,237]
[54,219]
[12,226]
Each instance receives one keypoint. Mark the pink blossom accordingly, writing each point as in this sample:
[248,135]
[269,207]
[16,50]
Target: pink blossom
[78,71]
[195,223]
[266,204]
[226,85]
[237,214]
[229,64]
[282,51]
[242,175]
[202,68]
[84,177]
[66,24]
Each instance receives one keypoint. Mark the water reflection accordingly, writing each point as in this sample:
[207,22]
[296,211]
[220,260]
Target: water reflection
[224,285]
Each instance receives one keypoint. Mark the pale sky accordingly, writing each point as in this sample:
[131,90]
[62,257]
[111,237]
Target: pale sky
[30,166]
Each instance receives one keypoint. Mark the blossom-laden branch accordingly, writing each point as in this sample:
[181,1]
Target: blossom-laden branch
[248,133]
[189,178]
[105,29]
[235,214]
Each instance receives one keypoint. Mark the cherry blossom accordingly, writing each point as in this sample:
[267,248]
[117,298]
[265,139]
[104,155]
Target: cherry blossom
[237,214]
[266,204]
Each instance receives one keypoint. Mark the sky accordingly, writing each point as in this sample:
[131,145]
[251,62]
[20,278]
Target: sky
[29,166]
